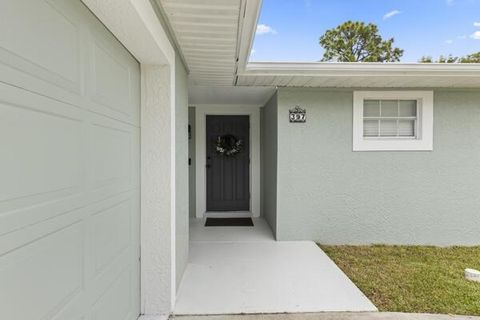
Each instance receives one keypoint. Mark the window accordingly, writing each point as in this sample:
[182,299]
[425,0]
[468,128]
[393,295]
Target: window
[393,120]
[389,118]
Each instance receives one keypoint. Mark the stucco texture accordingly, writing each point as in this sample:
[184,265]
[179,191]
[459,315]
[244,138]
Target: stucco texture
[181,169]
[156,185]
[268,146]
[328,193]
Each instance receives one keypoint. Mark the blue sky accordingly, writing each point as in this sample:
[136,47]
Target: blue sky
[288,30]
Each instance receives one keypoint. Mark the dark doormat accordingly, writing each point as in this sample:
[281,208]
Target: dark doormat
[229,222]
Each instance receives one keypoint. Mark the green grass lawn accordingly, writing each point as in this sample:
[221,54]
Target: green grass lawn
[412,279]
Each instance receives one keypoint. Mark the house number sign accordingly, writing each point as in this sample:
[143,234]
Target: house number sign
[298,115]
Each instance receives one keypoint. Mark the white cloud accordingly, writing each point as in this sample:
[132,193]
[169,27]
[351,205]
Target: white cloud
[448,41]
[391,14]
[476,24]
[265,29]
[450,2]
[475,35]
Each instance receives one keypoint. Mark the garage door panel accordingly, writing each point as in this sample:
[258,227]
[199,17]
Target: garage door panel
[73,310]
[113,305]
[47,273]
[101,282]
[108,235]
[69,193]
[115,81]
[112,80]
[16,215]
[114,155]
[111,152]
[15,239]
[33,55]
[75,52]
[26,134]
[111,233]
[32,129]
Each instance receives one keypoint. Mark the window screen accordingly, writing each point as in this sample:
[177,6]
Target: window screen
[390,118]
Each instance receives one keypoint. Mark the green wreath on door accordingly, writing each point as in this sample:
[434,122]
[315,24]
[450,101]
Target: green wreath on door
[228,145]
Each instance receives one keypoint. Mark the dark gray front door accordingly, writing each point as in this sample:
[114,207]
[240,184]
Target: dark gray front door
[228,177]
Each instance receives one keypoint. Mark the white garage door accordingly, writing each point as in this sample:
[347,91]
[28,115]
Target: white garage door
[69,165]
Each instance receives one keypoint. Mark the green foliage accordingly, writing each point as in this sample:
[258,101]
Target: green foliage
[355,41]
[413,279]
[426,59]
[471,58]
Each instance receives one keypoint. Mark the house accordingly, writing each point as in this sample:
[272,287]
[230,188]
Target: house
[96,189]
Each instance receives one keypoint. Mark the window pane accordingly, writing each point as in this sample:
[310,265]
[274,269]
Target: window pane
[370,128]
[371,108]
[389,108]
[388,128]
[408,108]
[406,128]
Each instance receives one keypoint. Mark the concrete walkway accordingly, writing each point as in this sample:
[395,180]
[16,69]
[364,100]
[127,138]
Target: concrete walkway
[333,316]
[237,270]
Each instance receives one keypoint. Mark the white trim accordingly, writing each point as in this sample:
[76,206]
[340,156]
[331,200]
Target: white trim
[135,24]
[201,113]
[173,188]
[248,26]
[423,141]
[360,75]
[360,69]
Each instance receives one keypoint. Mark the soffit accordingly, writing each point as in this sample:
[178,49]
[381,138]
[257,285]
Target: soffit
[207,32]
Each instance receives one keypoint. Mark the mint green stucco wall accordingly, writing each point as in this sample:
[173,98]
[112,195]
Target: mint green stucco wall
[181,168]
[332,195]
[268,146]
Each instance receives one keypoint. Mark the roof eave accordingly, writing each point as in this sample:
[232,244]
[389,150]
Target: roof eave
[248,26]
[326,69]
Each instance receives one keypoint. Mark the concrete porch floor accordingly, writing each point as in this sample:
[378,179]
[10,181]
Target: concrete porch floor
[234,270]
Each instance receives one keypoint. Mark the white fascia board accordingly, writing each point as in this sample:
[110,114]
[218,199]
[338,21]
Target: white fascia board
[250,14]
[333,69]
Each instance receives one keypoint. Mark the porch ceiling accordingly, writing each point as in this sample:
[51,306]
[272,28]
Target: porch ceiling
[234,95]
[212,35]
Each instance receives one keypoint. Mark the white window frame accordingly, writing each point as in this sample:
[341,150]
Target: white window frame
[424,131]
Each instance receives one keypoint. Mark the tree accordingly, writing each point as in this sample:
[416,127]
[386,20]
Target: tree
[471,58]
[355,41]
[426,59]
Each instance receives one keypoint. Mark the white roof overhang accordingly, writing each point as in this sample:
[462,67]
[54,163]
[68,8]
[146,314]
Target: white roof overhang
[215,39]
[214,36]
[360,75]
